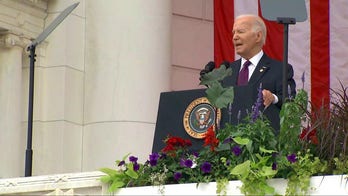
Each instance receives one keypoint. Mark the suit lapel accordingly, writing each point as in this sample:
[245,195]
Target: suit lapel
[235,72]
[232,80]
[262,67]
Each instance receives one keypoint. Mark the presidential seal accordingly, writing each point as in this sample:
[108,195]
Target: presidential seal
[199,116]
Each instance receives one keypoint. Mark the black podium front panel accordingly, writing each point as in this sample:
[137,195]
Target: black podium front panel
[173,104]
[170,114]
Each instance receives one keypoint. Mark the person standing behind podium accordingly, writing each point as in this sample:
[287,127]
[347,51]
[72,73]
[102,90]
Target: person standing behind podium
[249,36]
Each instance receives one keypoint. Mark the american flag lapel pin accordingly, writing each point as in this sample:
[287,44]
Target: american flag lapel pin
[262,69]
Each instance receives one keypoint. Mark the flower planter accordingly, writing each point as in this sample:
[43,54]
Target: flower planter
[250,151]
[320,185]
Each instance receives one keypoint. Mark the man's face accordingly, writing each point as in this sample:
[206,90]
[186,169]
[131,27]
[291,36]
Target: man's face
[247,43]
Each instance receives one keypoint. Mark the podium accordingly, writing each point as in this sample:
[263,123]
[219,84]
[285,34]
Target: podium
[174,104]
[171,109]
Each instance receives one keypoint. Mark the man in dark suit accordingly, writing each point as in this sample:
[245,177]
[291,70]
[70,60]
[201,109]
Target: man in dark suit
[249,36]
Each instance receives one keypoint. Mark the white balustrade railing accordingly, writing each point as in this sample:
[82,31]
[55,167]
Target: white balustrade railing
[88,183]
[85,183]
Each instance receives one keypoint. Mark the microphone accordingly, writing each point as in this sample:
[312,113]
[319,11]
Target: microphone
[208,68]
[226,63]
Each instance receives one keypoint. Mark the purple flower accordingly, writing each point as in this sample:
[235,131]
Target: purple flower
[153,159]
[121,163]
[133,159]
[227,140]
[153,162]
[274,166]
[292,158]
[153,156]
[228,162]
[206,167]
[177,175]
[256,108]
[163,156]
[136,167]
[196,154]
[236,150]
[188,163]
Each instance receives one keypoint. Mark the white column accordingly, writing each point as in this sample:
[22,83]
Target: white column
[12,139]
[128,50]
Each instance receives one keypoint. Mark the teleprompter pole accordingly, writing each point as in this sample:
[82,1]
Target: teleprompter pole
[31,48]
[286,22]
[29,150]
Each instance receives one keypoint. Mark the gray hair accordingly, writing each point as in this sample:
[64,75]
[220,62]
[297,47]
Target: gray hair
[257,25]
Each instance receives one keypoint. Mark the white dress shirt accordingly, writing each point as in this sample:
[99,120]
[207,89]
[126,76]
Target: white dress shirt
[254,61]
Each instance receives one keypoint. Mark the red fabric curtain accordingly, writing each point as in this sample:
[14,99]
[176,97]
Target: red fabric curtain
[223,24]
[320,52]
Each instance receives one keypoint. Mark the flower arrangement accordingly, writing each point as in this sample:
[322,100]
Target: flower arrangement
[311,142]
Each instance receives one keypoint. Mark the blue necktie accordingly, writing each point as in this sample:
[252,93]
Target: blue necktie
[244,74]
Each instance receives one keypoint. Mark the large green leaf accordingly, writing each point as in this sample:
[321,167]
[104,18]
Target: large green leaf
[109,171]
[268,171]
[116,185]
[225,98]
[241,141]
[242,169]
[215,75]
[218,96]
[105,179]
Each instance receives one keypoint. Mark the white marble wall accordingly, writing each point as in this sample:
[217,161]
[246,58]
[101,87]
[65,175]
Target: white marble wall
[98,77]
[127,67]
[11,141]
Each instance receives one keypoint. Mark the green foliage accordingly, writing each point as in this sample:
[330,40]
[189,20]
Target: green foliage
[118,178]
[221,185]
[218,95]
[253,166]
[341,165]
[310,143]
[291,115]
[299,172]
[253,175]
